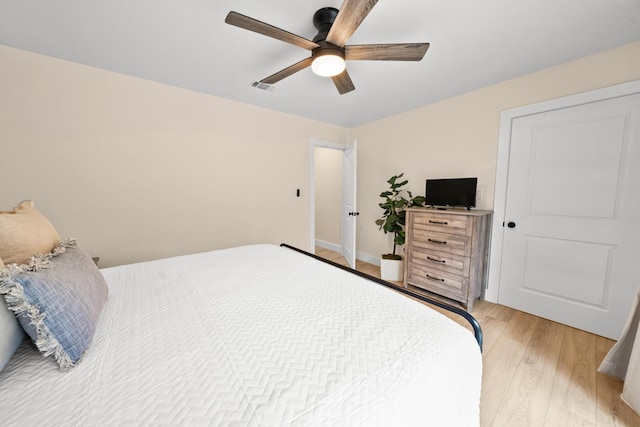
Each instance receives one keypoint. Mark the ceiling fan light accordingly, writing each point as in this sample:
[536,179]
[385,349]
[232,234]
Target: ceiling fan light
[328,65]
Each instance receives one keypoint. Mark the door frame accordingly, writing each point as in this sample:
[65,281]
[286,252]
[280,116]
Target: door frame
[502,165]
[313,143]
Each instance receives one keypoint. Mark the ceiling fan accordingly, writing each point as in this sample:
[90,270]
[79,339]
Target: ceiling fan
[328,48]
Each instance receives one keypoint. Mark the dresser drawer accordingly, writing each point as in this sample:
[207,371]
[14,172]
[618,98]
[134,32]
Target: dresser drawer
[440,282]
[441,261]
[443,223]
[450,243]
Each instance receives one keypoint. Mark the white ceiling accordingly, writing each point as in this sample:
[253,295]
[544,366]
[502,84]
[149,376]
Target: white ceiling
[187,44]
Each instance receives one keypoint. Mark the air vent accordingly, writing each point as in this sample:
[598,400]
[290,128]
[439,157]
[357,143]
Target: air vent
[263,86]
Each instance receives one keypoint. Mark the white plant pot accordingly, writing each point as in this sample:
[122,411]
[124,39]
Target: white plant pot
[391,269]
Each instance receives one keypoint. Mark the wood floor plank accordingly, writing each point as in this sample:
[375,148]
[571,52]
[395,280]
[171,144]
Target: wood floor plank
[573,397]
[501,363]
[493,322]
[501,312]
[528,396]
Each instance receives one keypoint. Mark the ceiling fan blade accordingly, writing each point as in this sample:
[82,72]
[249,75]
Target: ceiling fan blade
[386,52]
[343,82]
[242,21]
[351,15]
[292,69]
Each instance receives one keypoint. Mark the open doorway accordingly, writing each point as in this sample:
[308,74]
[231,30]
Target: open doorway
[328,166]
[332,201]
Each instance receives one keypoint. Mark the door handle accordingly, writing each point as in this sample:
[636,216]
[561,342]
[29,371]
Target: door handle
[354,213]
[511,224]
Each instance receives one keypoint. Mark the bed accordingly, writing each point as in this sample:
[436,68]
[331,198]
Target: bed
[259,335]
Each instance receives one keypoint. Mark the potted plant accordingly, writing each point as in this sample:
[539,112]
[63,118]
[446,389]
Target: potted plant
[393,221]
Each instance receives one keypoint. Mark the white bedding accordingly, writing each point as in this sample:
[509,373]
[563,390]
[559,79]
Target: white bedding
[259,336]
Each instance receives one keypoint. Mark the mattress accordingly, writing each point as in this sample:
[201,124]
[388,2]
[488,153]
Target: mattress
[253,336]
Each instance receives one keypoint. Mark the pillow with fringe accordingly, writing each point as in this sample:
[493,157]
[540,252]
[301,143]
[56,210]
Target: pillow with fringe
[58,298]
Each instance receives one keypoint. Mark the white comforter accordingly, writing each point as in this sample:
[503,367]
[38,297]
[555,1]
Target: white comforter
[259,336]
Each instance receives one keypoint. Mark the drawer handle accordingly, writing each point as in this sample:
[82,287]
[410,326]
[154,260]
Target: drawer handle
[438,222]
[442,242]
[434,278]
[436,260]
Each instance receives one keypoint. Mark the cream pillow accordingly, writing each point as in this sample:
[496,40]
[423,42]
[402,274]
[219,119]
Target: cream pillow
[25,232]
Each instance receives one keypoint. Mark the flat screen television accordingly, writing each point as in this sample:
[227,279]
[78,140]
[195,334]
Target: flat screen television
[451,192]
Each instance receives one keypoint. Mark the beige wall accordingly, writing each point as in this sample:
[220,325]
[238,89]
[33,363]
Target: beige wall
[137,170]
[459,136]
[328,171]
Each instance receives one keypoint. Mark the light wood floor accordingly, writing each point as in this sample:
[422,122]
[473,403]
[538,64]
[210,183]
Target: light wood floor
[537,372]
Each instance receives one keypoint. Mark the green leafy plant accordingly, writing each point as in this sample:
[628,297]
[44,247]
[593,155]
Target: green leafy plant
[394,217]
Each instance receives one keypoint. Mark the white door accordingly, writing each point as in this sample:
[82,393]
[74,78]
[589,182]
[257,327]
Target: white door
[571,241]
[349,213]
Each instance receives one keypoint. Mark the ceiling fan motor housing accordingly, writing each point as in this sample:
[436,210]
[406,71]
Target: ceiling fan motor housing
[322,20]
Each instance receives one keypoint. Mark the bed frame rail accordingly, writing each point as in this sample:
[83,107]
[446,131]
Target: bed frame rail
[477,330]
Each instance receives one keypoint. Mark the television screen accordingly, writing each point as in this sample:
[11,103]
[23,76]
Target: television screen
[451,192]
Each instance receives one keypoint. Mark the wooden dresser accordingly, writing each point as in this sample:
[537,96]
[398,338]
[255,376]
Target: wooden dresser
[447,252]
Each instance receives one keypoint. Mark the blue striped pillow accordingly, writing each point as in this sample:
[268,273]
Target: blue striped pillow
[58,299]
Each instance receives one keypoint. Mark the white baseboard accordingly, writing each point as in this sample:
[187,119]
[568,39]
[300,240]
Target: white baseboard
[371,259]
[330,246]
[375,259]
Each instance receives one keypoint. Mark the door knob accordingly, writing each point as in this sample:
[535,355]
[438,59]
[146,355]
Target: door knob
[511,224]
